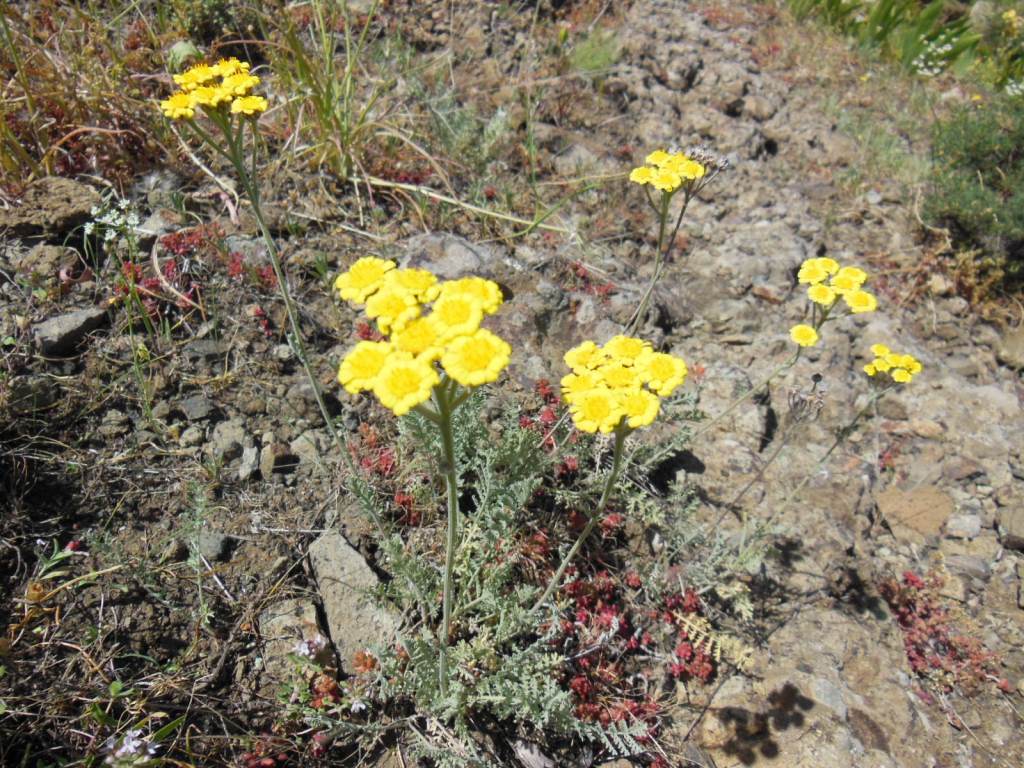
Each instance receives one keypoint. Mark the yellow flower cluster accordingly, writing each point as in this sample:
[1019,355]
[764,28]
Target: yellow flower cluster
[400,371]
[212,85]
[1012,21]
[606,388]
[667,171]
[900,368]
[827,281]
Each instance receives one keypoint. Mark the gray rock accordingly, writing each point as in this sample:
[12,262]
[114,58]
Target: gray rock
[228,440]
[963,526]
[60,335]
[758,107]
[308,447]
[44,261]
[276,458]
[50,207]
[1011,348]
[214,546]
[1011,527]
[449,256]
[115,423]
[344,581]
[196,407]
[191,437]
[250,462]
[30,394]
[290,627]
[971,566]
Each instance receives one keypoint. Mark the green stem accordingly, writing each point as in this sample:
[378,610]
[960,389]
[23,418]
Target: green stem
[613,476]
[666,198]
[451,476]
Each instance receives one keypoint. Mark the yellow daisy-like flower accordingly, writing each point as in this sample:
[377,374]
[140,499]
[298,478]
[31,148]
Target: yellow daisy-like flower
[419,282]
[658,158]
[392,307]
[848,279]
[457,314]
[363,278]
[249,105]
[812,271]
[625,349]
[210,96]
[195,76]
[360,367]
[404,383]
[911,364]
[616,375]
[642,175]
[228,67]
[829,265]
[881,364]
[662,372]
[666,180]
[640,406]
[901,376]
[575,384]
[596,410]
[477,359]
[879,350]
[178,106]
[689,170]
[240,84]
[870,369]
[820,293]
[585,357]
[860,301]
[486,291]
[804,335]
[420,338]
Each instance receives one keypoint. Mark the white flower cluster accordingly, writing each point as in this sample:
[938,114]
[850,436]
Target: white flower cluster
[934,58]
[130,749]
[1014,88]
[113,219]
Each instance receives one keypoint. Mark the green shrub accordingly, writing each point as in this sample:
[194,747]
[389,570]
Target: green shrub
[978,179]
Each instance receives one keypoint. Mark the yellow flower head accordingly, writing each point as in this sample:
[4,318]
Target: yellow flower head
[881,364]
[403,383]
[240,84]
[419,282]
[575,384]
[911,364]
[487,292]
[870,369]
[688,170]
[642,175]
[901,368]
[249,105]
[812,271]
[210,96]
[829,265]
[860,301]
[477,359]
[625,349]
[820,293]
[178,106]
[659,158]
[195,76]
[363,278]
[640,406]
[804,335]
[457,314]
[616,375]
[666,180]
[360,367]
[419,338]
[901,376]
[879,350]
[848,279]
[392,307]
[596,410]
[228,67]
[585,357]
[662,372]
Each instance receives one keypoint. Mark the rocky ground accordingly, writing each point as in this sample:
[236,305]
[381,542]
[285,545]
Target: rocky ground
[932,481]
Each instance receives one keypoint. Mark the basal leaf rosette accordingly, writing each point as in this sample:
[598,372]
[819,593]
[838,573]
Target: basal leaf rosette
[901,368]
[426,323]
[219,89]
[827,282]
[618,386]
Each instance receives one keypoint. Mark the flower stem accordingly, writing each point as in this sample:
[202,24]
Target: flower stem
[451,476]
[613,476]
